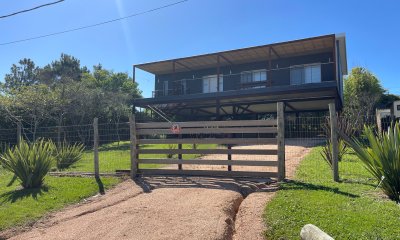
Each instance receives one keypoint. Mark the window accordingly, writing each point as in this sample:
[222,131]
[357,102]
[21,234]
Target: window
[305,74]
[210,84]
[398,107]
[251,77]
[183,86]
[165,90]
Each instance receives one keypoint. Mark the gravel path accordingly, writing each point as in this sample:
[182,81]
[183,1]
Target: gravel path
[167,208]
[154,208]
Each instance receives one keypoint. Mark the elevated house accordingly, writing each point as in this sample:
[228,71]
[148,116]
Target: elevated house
[246,83]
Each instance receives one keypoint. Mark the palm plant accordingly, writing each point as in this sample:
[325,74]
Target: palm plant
[28,162]
[381,157]
[67,154]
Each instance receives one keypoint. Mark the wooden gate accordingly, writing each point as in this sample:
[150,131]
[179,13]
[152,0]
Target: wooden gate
[224,133]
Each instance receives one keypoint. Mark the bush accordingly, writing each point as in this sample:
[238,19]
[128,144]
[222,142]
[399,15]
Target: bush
[381,157]
[66,154]
[345,126]
[29,162]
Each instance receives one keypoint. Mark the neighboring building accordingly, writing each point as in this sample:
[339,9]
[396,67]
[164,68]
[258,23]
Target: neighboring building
[305,74]
[384,117]
[396,109]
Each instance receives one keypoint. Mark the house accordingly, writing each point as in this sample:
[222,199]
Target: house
[384,117]
[395,110]
[246,83]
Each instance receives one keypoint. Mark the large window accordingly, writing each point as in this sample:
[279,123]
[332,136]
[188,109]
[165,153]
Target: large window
[252,79]
[305,74]
[210,84]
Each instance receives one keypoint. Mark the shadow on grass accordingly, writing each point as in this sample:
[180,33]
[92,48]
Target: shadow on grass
[296,185]
[367,182]
[13,179]
[122,146]
[19,194]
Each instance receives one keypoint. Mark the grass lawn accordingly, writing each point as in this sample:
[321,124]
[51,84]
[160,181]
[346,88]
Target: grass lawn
[19,206]
[116,155]
[352,209]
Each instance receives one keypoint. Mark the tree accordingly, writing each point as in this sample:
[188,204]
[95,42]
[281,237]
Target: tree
[65,93]
[24,74]
[362,91]
[32,104]
[387,100]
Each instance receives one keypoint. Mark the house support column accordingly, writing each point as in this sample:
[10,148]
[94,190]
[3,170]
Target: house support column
[281,140]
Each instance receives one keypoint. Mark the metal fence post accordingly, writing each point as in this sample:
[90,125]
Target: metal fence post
[96,146]
[281,140]
[19,132]
[334,141]
[133,145]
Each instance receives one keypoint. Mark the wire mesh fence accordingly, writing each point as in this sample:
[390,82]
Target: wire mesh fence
[305,138]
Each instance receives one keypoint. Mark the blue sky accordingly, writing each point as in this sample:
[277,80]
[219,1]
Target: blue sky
[196,27]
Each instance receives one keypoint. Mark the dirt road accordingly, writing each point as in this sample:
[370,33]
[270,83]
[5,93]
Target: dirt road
[179,208]
[166,208]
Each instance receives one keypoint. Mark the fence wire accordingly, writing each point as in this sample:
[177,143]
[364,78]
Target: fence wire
[305,139]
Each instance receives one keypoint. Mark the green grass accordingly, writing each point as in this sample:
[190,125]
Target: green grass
[351,209]
[19,206]
[116,155]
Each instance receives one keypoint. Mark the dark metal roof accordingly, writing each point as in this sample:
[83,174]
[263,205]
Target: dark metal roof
[244,55]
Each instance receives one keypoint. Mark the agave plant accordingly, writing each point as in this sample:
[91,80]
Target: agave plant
[381,157]
[345,126]
[67,154]
[29,162]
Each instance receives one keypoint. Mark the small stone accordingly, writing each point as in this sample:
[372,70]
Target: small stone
[311,232]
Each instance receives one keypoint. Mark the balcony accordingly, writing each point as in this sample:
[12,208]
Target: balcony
[251,79]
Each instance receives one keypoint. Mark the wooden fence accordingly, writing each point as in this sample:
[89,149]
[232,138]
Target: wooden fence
[227,133]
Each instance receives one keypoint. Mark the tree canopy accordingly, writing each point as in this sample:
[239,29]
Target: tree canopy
[362,92]
[63,92]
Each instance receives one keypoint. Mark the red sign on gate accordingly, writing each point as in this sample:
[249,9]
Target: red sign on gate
[175,128]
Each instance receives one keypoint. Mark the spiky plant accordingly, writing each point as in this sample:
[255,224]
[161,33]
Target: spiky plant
[344,125]
[68,154]
[381,157]
[28,162]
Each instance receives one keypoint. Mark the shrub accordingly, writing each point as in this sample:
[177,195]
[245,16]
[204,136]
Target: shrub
[67,154]
[29,162]
[381,157]
[345,126]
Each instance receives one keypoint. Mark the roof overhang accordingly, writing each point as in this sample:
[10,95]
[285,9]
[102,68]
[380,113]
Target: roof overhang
[273,51]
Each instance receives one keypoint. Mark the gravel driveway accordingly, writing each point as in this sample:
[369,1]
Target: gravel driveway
[167,208]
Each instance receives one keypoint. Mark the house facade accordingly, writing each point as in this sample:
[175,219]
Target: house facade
[305,74]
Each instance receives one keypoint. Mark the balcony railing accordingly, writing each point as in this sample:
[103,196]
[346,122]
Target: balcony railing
[299,75]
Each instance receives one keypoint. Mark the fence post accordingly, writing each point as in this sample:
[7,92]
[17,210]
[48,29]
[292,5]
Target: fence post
[180,155]
[59,135]
[133,145]
[96,146]
[229,158]
[334,141]
[19,132]
[281,140]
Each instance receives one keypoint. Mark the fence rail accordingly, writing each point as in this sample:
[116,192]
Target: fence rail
[198,145]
